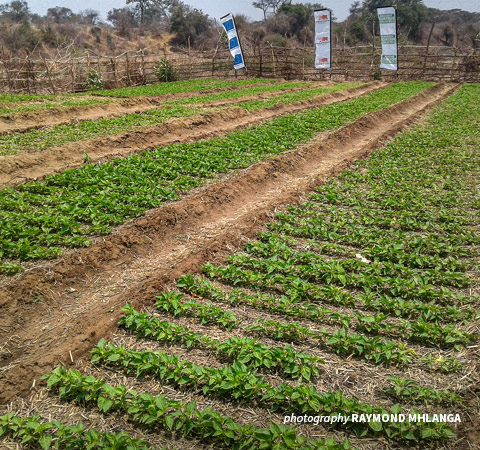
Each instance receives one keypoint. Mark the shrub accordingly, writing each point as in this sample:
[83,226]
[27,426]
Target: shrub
[95,81]
[164,71]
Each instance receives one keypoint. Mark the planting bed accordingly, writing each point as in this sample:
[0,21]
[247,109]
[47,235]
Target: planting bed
[39,218]
[210,327]
[41,139]
[70,145]
[21,112]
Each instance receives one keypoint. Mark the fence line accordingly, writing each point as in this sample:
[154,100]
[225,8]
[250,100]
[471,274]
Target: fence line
[28,75]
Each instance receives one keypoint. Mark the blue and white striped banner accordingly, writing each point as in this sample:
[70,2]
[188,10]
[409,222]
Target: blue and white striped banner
[233,42]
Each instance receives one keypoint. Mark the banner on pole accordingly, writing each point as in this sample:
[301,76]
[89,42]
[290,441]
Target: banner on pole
[323,39]
[228,23]
[388,34]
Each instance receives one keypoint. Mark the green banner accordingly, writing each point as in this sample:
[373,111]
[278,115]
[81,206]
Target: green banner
[389,59]
[389,39]
[386,18]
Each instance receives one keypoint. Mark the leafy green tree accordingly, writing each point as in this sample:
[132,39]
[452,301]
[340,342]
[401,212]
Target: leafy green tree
[188,24]
[59,14]
[411,14]
[264,5]
[355,10]
[141,5]
[90,16]
[357,31]
[300,16]
[17,11]
[276,4]
[123,19]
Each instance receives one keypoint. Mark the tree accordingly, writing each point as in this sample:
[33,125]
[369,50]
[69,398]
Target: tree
[123,19]
[141,5]
[276,4]
[299,15]
[189,25]
[447,35]
[151,9]
[90,16]
[264,5]
[357,32]
[355,10]
[355,29]
[59,14]
[411,14]
[17,11]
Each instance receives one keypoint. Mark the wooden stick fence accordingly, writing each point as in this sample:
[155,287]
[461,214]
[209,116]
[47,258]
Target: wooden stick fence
[29,75]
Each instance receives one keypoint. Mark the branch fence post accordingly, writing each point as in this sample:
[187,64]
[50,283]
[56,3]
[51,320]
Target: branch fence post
[127,64]
[27,73]
[144,76]
[11,86]
[49,75]
[427,49]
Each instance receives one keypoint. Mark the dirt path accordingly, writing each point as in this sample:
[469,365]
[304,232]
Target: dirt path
[22,122]
[34,165]
[57,311]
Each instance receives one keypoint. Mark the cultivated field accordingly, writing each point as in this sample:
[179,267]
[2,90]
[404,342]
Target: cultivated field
[211,264]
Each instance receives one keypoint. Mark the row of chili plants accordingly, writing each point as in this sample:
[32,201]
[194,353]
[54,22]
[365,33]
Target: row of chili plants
[342,342]
[179,87]
[41,139]
[437,254]
[10,109]
[407,266]
[39,218]
[11,104]
[300,91]
[241,382]
[34,432]
[381,350]
[161,412]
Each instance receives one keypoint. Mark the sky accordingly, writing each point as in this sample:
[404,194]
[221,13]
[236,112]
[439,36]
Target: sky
[218,8]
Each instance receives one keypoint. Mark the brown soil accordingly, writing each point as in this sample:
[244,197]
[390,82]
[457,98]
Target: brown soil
[55,312]
[22,122]
[33,166]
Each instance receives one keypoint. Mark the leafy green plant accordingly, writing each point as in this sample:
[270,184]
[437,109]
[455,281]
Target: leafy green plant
[407,389]
[33,432]
[240,382]
[38,218]
[285,360]
[164,71]
[155,412]
[442,363]
[95,81]
[171,302]
[179,87]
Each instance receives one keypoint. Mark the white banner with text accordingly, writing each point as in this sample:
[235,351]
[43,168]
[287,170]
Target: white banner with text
[323,39]
[388,34]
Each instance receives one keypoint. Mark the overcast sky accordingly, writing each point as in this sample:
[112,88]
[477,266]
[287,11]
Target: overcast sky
[218,8]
